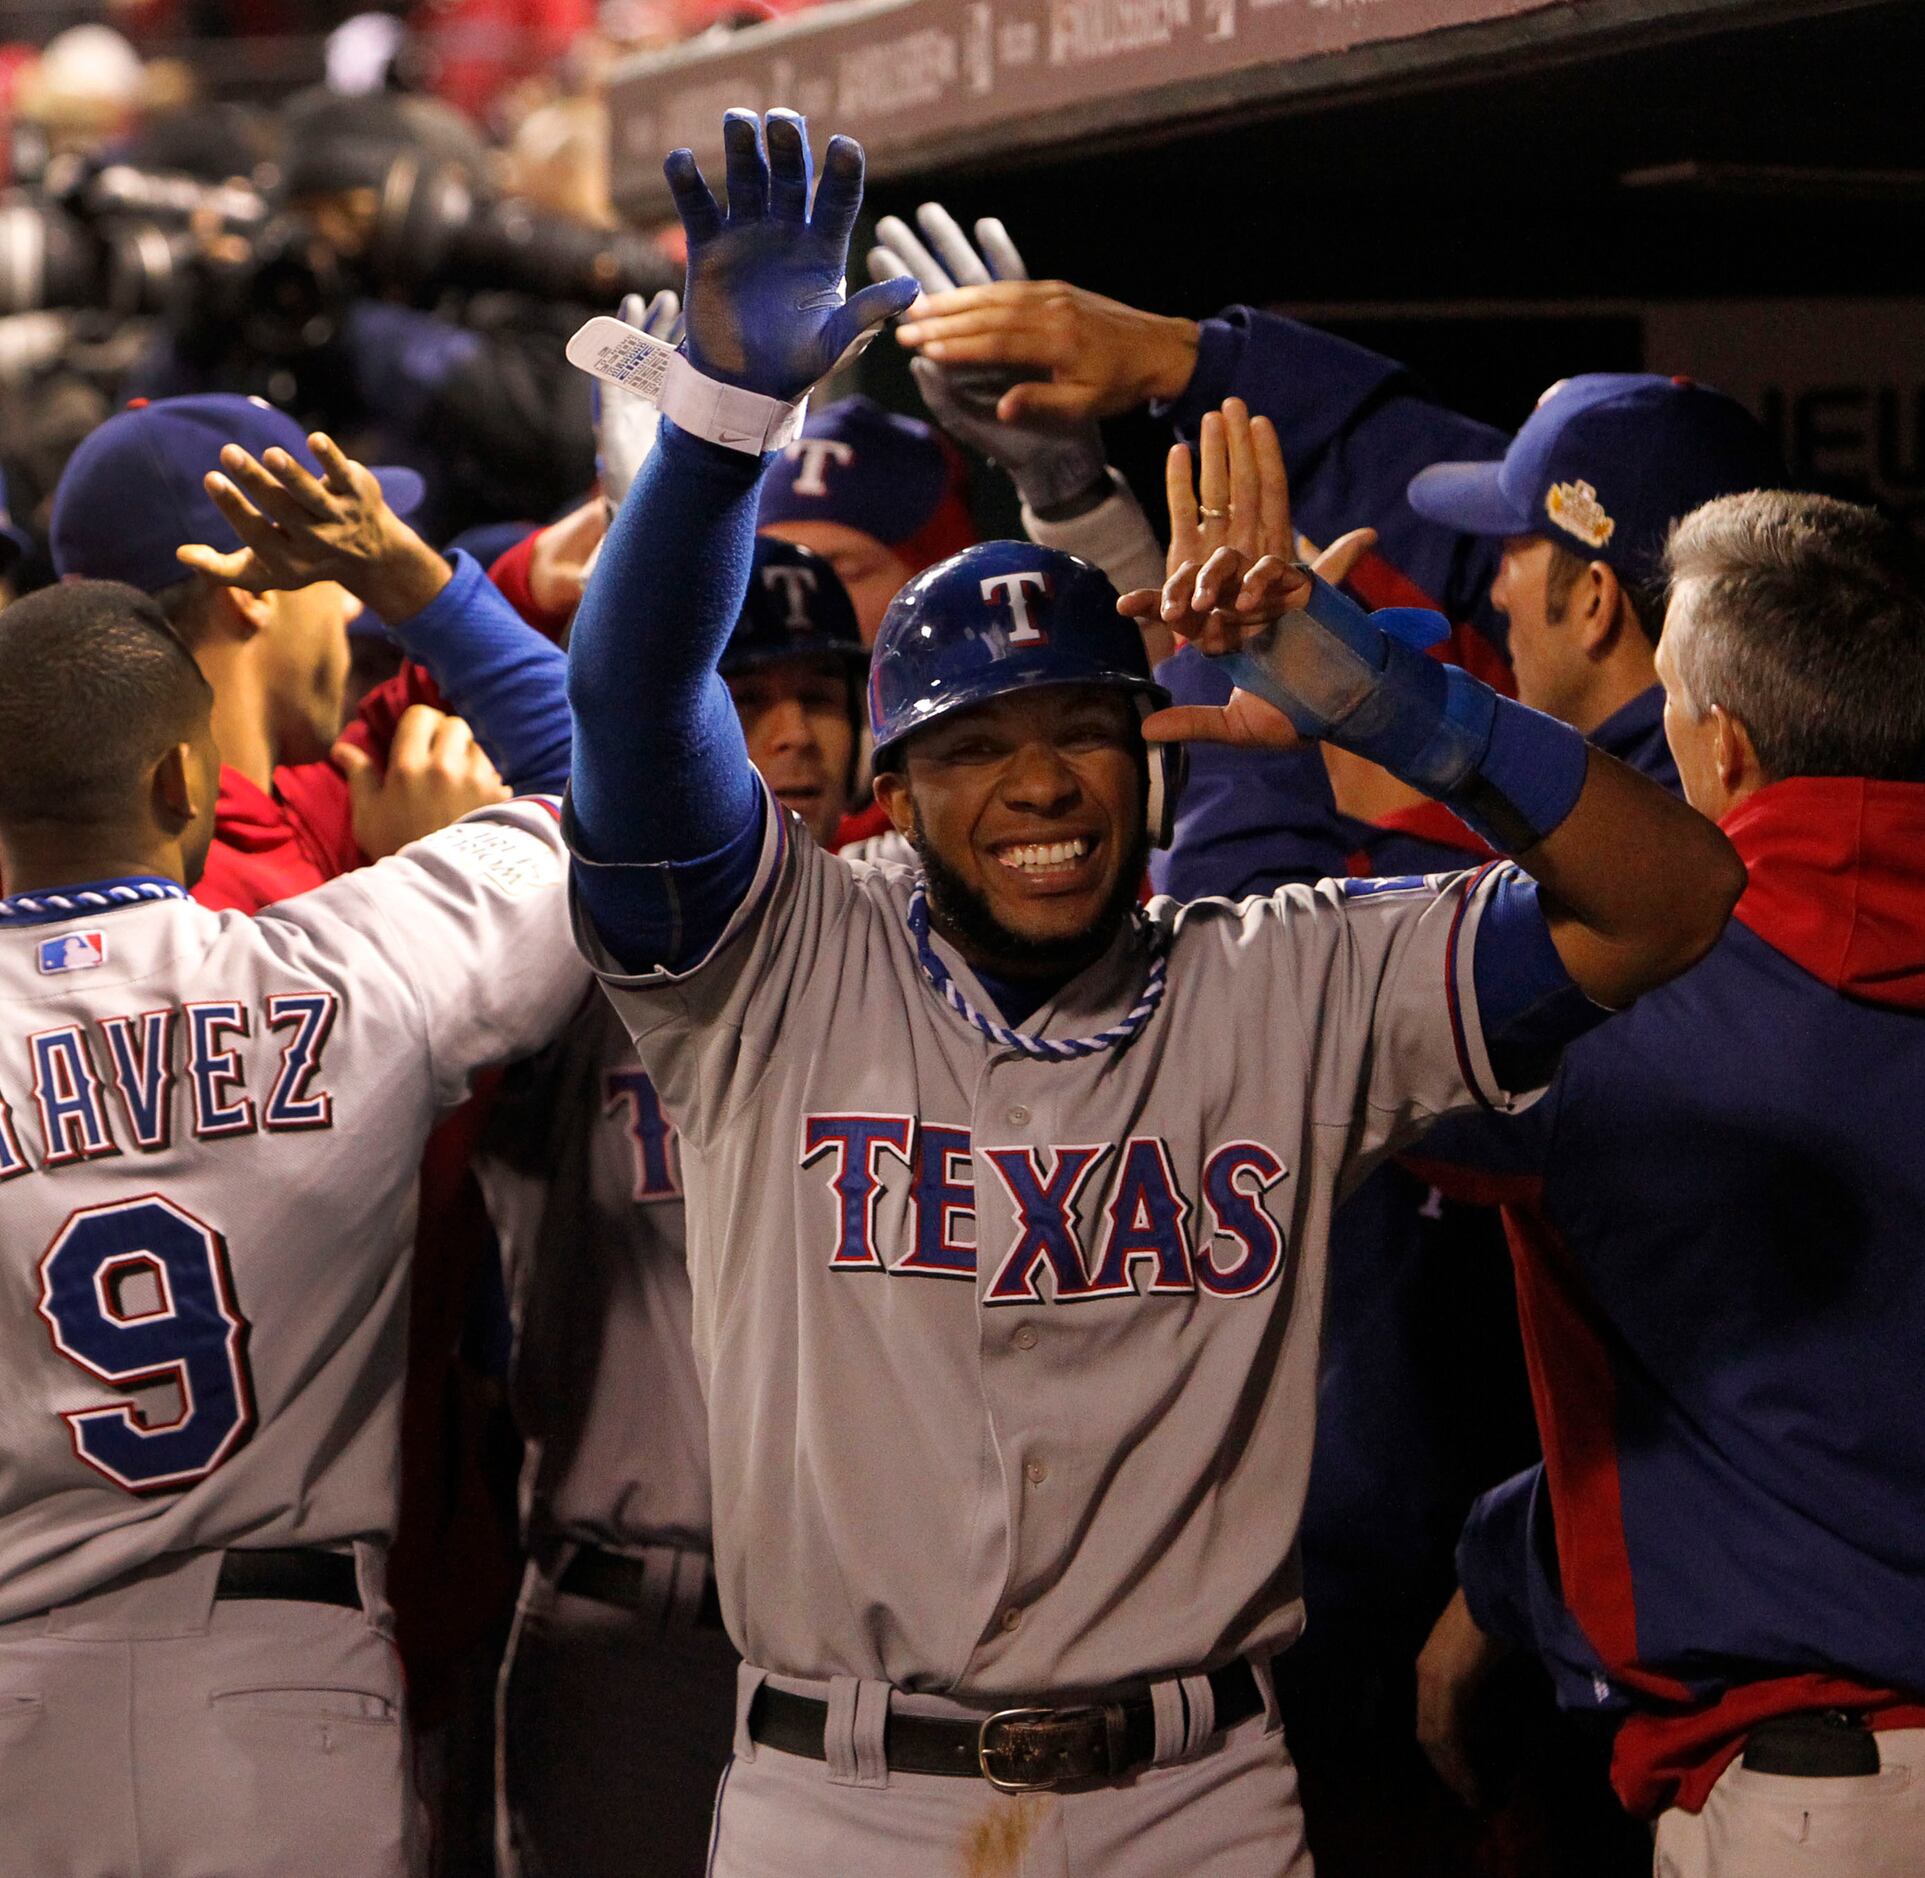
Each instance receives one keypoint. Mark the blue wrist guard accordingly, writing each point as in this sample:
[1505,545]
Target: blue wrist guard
[1363,682]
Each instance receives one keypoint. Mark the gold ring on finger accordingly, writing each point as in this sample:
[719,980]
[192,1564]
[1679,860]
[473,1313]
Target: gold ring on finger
[1214,515]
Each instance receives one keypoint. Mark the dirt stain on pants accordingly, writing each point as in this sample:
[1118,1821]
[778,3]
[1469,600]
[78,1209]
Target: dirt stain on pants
[995,1844]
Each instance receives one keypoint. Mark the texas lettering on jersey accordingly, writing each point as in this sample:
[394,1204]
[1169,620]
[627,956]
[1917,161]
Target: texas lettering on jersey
[182,1064]
[1140,1215]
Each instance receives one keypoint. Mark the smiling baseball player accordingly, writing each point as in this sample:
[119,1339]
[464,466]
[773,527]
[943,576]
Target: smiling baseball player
[1007,1203]
[210,1132]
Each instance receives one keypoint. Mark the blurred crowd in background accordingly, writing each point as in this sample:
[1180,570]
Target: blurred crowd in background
[395,248]
[498,61]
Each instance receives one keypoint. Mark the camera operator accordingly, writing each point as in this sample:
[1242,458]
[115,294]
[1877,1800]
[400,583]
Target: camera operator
[393,303]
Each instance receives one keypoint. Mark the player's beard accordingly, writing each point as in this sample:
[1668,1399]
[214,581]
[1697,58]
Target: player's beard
[963,915]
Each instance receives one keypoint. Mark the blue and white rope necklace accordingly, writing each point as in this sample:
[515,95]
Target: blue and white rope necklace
[1042,1049]
[32,908]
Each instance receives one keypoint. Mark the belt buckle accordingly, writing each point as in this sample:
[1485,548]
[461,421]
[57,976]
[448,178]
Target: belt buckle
[986,1751]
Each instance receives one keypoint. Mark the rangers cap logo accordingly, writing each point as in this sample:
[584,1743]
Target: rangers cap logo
[815,454]
[1574,507]
[1014,592]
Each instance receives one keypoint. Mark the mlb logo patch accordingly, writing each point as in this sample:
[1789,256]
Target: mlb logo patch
[73,952]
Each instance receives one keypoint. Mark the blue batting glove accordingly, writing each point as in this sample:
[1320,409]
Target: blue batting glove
[764,307]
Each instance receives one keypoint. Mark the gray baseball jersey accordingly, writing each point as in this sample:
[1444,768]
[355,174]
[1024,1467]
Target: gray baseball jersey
[1012,1363]
[210,1127]
[582,1172]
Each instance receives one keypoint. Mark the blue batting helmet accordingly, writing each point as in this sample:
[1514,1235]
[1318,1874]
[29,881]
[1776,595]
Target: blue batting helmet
[796,608]
[1005,616]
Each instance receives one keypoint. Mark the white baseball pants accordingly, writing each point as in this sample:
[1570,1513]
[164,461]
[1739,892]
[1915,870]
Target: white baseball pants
[1784,1826]
[152,1729]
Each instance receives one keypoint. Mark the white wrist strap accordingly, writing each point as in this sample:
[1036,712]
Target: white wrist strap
[650,368]
[726,414]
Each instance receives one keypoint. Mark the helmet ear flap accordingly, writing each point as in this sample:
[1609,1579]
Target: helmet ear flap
[1169,769]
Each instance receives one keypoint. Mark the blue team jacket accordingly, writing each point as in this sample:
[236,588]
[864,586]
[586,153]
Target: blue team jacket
[1714,1220]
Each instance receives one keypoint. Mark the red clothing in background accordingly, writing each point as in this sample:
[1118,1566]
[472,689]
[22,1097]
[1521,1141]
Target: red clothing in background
[477,48]
[269,847]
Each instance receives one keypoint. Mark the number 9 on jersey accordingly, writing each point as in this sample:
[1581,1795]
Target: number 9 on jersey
[138,1294]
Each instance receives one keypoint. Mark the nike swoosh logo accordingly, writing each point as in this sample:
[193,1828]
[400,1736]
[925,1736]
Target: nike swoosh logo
[734,436]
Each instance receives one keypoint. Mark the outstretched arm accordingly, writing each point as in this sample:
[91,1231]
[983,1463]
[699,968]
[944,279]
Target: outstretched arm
[1633,885]
[667,816]
[1355,426]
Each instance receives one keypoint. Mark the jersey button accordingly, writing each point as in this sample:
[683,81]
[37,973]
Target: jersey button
[1025,1337]
[1012,1619]
[1018,1116]
[1037,1471]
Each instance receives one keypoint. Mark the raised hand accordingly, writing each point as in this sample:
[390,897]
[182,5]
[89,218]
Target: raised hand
[1085,357]
[1055,461]
[298,529]
[764,308]
[1232,571]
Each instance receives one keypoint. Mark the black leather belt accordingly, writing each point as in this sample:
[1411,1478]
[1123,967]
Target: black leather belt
[1020,1750]
[294,1576]
[610,1578]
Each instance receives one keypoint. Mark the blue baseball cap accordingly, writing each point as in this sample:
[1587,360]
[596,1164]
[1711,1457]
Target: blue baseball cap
[133,492]
[889,476]
[796,608]
[1604,466]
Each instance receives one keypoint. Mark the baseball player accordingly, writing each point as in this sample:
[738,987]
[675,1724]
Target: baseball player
[278,519]
[210,1127]
[133,496]
[618,1692]
[1006,1203]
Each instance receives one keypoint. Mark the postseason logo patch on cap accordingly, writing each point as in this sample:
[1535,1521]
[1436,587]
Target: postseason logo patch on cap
[1574,507]
[73,952]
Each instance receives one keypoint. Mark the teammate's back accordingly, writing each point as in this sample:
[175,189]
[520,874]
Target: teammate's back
[214,1129]
[209,1130]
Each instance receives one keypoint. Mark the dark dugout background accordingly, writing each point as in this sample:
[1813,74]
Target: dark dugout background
[1744,203]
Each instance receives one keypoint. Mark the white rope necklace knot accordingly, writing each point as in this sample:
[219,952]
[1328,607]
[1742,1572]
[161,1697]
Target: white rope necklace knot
[1042,1049]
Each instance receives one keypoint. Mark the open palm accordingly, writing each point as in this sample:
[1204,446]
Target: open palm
[764,307]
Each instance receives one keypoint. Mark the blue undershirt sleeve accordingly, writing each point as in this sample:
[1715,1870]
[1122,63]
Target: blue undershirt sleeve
[665,812]
[497,672]
[1529,1007]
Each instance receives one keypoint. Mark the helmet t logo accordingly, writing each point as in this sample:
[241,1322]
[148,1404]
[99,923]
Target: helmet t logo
[1014,590]
[815,454]
[796,584]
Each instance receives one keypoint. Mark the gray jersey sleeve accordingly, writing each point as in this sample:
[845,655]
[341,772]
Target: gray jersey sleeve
[1389,1007]
[471,921]
[1368,985]
[708,1033]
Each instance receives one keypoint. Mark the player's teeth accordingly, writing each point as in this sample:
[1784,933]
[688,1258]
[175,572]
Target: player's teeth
[1036,854]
